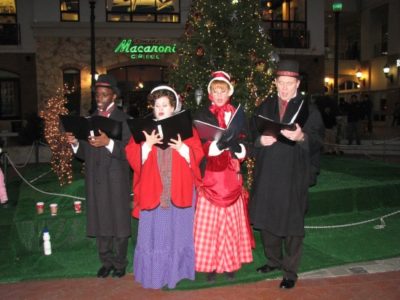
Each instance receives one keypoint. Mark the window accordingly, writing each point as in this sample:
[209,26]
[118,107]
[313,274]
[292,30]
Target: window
[163,11]
[285,21]
[349,85]
[72,83]
[9,95]
[9,28]
[69,10]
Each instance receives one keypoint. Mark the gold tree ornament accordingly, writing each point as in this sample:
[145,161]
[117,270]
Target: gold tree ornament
[61,152]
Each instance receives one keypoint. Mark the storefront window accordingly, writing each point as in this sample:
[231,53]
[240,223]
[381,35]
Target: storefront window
[164,11]
[9,28]
[135,83]
[8,12]
[69,10]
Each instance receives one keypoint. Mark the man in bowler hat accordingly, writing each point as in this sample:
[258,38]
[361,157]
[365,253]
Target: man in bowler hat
[286,164]
[107,183]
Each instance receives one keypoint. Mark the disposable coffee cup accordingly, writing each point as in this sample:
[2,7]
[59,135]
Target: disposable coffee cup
[53,209]
[39,207]
[78,206]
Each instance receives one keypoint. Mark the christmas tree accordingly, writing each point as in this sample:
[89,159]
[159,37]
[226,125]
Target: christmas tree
[224,35]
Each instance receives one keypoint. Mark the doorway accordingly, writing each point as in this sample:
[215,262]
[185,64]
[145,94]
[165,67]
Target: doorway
[135,83]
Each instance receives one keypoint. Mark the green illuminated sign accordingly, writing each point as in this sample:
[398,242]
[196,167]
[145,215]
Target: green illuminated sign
[337,6]
[140,51]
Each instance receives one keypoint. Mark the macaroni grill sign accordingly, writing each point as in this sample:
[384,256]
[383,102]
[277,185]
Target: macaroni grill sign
[144,51]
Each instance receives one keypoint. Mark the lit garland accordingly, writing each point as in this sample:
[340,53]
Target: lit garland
[61,159]
[249,168]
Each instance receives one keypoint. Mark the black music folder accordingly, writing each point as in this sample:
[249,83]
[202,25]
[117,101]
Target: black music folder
[168,128]
[267,126]
[83,127]
[211,132]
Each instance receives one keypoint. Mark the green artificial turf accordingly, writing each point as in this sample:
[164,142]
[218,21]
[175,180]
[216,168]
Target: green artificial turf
[348,191]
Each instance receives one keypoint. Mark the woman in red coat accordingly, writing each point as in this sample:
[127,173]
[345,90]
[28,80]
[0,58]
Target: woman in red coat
[222,233]
[164,195]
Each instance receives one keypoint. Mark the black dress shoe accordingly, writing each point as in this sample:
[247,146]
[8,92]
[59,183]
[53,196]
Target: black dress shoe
[230,275]
[211,276]
[103,272]
[266,269]
[118,273]
[287,283]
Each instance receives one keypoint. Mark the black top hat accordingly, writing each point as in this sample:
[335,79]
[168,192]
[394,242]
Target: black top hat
[108,81]
[288,68]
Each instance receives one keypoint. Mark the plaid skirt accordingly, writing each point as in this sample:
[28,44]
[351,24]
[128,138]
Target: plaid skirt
[221,237]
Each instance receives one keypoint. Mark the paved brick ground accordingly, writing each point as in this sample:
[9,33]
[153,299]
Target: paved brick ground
[363,287]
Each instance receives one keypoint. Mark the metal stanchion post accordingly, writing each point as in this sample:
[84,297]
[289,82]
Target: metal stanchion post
[36,151]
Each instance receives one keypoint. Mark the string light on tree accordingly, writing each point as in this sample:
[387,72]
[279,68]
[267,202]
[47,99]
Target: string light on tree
[61,159]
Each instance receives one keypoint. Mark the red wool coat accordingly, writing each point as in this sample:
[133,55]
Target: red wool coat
[147,185]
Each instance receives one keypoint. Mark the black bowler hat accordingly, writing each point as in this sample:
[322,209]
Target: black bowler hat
[108,81]
[288,68]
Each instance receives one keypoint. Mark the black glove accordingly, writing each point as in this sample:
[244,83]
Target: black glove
[227,138]
[235,148]
[222,144]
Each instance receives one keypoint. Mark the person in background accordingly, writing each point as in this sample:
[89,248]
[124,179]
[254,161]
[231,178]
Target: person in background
[329,119]
[3,190]
[367,109]
[223,238]
[354,112]
[164,198]
[107,183]
[285,166]
[396,115]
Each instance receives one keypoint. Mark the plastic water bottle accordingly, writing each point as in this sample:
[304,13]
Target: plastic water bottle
[46,242]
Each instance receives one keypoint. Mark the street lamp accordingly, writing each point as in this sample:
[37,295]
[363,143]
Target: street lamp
[360,77]
[337,8]
[92,4]
[386,71]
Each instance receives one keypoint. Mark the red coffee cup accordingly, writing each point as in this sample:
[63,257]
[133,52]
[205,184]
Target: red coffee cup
[78,206]
[39,207]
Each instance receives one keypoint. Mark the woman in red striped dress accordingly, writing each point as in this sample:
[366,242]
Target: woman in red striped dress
[222,233]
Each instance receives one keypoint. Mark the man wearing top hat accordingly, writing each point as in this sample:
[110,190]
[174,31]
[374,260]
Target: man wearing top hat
[286,164]
[107,183]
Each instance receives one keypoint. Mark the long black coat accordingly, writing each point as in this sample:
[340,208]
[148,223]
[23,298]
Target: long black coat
[284,171]
[107,185]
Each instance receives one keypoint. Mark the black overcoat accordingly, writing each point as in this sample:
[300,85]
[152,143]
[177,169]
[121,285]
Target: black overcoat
[107,185]
[284,171]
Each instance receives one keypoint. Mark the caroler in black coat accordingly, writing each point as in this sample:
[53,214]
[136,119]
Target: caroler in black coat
[286,165]
[107,184]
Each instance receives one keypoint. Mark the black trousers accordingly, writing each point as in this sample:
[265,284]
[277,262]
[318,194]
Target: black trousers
[113,251]
[283,252]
